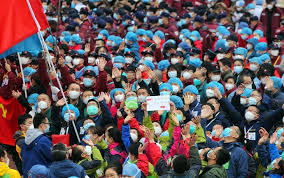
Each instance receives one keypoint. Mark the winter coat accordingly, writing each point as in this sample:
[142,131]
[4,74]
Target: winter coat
[65,168]
[35,150]
[214,171]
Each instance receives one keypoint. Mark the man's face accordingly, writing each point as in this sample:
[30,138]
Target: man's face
[28,122]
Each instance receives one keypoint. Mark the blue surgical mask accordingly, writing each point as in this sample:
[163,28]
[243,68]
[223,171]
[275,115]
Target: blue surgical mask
[161,21]
[213,133]
[191,129]
[181,37]
[109,43]
[87,82]
[47,129]
[144,39]
[124,23]
[87,137]
[196,82]
[95,26]
[72,5]
[279,133]
[209,152]
[100,37]
[130,29]
[115,16]
[145,19]
[252,101]
[164,93]
[183,21]
[226,132]
[179,24]
[179,117]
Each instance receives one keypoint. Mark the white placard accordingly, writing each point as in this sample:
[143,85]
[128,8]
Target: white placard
[158,103]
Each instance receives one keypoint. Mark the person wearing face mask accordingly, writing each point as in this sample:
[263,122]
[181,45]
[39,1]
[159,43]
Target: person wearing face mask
[255,64]
[176,85]
[270,18]
[251,43]
[232,137]
[274,52]
[230,85]
[37,146]
[191,103]
[240,54]
[214,74]
[173,72]
[225,68]
[238,66]
[216,157]
[4,165]
[187,74]
[86,24]
[167,28]
[244,35]
[74,43]
[148,55]
[200,82]
[252,119]
[117,95]
[129,58]
[273,90]
[132,44]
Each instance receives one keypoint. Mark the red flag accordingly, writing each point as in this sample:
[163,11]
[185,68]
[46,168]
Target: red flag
[17,22]
[10,110]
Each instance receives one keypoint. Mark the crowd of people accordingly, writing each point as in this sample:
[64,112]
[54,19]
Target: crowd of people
[220,62]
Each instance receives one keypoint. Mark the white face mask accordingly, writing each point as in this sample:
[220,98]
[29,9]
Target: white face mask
[24,60]
[215,78]
[274,53]
[119,98]
[133,137]
[158,130]
[68,59]
[243,101]
[148,58]
[269,6]
[8,162]
[249,86]
[88,150]
[141,98]
[249,46]
[141,67]
[229,86]
[128,60]
[172,74]
[210,93]
[239,57]
[74,94]
[91,60]
[174,60]
[76,61]
[253,67]
[249,116]
[42,105]
[186,75]
[175,88]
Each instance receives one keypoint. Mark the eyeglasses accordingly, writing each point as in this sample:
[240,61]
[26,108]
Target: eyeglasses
[49,123]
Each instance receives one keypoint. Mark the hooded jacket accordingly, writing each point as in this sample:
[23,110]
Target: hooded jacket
[65,168]
[214,171]
[35,150]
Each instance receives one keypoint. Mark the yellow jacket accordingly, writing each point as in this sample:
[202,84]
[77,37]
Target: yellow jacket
[6,172]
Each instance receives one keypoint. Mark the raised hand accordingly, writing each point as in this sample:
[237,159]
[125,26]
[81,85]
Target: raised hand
[263,136]
[240,89]
[101,96]
[141,148]
[101,65]
[16,94]
[87,47]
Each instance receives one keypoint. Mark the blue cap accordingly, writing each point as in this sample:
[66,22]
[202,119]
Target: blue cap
[255,60]
[28,71]
[140,32]
[66,33]
[38,171]
[113,92]
[118,40]
[187,35]
[183,31]
[160,34]
[76,38]
[221,45]
[261,46]
[220,27]
[149,34]
[177,81]
[240,3]
[119,59]
[253,41]
[130,36]
[131,170]
[72,108]
[247,92]
[250,6]
[65,38]
[241,51]
[277,83]
[264,57]
[164,64]
[51,39]
[184,46]
[166,86]
[111,37]
[104,33]
[243,25]
[225,32]
[247,31]
[169,41]
[195,33]
[32,99]
[177,101]
[191,89]
[259,32]
[214,84]
[149,64]
[195,62]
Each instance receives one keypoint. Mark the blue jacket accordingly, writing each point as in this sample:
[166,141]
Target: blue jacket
[126,139]
[263,154]
[194,109]
[277,98]
[274,154]
[65,168]
[35,150]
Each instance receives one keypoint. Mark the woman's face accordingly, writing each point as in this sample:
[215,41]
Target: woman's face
[111,173]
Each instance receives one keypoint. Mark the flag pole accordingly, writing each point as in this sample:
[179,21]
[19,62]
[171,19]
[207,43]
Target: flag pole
[52,66]
[23,77]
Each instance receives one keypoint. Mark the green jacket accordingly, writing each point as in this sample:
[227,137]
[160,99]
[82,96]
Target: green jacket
[214,171]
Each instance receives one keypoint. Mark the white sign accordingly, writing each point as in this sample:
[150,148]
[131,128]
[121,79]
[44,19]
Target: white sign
[158,103]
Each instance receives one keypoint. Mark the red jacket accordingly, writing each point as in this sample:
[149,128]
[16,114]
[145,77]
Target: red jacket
[170,31]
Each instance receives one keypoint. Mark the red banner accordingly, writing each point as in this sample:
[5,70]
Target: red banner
[10,110]
[17,22]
